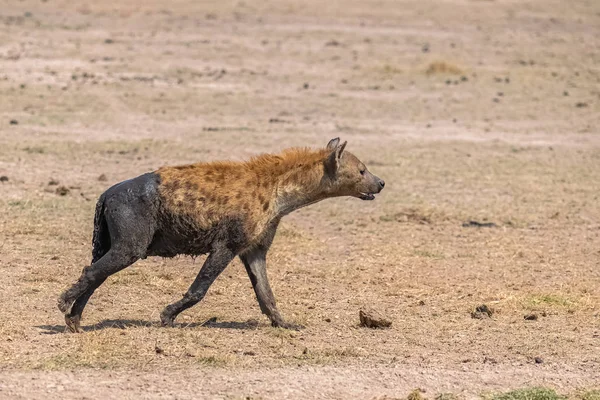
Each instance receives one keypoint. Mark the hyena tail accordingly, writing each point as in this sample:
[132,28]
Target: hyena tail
[101,236]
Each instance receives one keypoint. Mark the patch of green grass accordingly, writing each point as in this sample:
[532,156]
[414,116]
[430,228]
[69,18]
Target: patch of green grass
[391,69]
[18,203]
[447,396]
[550,300]
[590,395]
[34,150]
[213,361]
[534,393]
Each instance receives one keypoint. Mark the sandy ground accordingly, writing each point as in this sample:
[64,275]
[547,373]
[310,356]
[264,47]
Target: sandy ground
[481,111]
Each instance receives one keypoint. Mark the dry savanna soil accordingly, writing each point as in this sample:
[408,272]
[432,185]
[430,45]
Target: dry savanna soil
[483,250]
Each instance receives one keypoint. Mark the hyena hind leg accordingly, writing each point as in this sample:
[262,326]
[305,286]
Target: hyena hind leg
[73,300]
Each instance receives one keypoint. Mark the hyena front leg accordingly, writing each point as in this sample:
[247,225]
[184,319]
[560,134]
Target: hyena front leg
[216,262]
[255,261]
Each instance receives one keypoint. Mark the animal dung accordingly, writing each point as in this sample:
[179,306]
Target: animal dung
[373,319]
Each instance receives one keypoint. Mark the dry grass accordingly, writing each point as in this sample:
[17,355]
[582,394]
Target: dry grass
[186,85]
[443,68]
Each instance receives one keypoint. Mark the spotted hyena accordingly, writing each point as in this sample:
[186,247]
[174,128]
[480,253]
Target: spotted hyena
[223,209]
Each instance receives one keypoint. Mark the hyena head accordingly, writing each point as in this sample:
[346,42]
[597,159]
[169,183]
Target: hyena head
[348,176]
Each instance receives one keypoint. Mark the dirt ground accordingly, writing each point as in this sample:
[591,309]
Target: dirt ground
[471,110]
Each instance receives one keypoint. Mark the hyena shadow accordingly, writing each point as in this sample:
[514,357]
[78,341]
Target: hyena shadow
[139,323]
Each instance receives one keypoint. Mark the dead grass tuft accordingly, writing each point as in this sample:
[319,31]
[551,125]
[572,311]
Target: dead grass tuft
[102,349]
[443,67]
[415,395]
[391,70]
[418,215]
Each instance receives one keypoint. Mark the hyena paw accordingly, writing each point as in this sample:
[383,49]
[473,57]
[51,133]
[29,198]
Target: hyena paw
[167,319]
[287,325]
[73,323]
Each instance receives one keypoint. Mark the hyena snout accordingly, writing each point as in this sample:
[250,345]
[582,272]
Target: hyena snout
[376,184]
[373,185]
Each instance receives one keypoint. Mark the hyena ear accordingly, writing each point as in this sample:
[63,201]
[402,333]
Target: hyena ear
[333,143]
[332,164]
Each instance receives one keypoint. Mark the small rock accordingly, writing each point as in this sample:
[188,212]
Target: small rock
[108,41]
[53,182]
[581,104]
[531,317]
[482,312]
[327,319]
[425,48]
[373,319]
[3,178]
[305,86]
[538,360]
[62,191]
[102,178]
[158,350]
[477,224]
[489,360]
[14,122]
[276,121]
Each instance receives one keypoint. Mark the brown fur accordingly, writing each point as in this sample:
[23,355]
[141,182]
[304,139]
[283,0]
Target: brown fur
[251,190]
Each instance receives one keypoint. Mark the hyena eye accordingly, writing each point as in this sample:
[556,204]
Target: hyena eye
[362,171]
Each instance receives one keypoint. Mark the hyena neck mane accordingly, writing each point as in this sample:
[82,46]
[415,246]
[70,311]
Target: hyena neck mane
[297,177]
